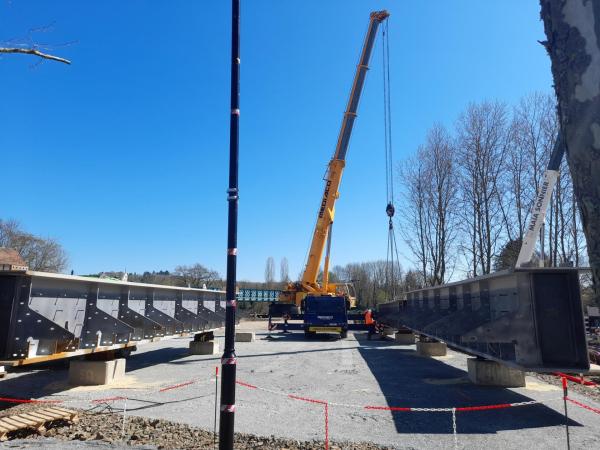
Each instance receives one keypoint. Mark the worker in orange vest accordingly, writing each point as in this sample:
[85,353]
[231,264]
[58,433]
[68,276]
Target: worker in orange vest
[370,322]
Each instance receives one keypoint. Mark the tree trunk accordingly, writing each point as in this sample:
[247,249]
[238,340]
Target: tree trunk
[573,31]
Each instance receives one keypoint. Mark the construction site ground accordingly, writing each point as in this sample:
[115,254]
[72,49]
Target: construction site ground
[348,374]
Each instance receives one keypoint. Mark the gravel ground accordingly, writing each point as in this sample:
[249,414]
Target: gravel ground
[106,430]
[349,374]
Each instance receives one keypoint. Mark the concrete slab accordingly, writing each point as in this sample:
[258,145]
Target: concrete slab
[204,348]
[92,373]
[405,338]
[490,373]
[244,336]
[432,348]
[387,331]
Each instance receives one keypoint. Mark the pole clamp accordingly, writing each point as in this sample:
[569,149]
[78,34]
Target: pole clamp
[235,112]
[233,194]
[232,303]
[232,251]
[228,361]
[228,408]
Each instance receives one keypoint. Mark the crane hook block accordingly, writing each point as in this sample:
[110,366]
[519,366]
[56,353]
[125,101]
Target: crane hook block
[390,210]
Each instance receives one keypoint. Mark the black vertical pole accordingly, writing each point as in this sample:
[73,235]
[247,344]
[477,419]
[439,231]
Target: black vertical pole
[565,396]
[228,361]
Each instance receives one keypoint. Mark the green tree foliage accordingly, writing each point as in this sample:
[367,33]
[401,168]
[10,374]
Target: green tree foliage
[507,257]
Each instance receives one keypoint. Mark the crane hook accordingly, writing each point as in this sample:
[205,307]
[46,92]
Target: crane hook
[390,210]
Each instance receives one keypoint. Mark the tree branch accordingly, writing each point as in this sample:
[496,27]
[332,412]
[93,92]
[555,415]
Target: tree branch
[32,51]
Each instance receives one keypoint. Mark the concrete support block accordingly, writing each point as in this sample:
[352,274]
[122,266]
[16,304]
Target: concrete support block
[387,331]
[431,348]
[244,336]
[405,338]
[204,348]
[490,373]
[594,369]
[90,373]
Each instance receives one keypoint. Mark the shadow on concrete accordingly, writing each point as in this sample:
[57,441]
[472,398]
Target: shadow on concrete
[52,377]
[165,355]
[46,379]
[277,337]
[409,380]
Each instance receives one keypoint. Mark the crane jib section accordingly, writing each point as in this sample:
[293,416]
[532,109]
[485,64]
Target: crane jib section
[357,85]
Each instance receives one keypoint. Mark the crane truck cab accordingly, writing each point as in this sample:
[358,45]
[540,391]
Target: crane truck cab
[325,314]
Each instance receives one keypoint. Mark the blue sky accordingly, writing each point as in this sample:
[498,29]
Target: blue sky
[123,155]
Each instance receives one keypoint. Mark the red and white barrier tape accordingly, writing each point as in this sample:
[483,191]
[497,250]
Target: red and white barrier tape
[26,400]
[577,380]
[400,408]
[584,406]
[73,399]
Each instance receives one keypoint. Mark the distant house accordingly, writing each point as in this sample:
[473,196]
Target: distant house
[11,260]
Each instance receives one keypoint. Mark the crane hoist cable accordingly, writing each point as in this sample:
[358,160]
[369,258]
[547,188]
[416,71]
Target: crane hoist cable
[392,260]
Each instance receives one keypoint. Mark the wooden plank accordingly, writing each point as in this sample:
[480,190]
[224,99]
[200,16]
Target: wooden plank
[41,416]
[24,422]
[53,415]
[58,411]
[37,420]
[3,430]
[14,423]
[67,411]
[7,425]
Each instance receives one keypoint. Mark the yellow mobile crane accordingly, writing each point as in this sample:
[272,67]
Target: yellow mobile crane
[308,290]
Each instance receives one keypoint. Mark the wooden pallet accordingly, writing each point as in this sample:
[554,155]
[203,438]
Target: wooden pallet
[36,420]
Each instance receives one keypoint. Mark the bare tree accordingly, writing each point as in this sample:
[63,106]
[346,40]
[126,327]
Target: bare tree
[35,52]
[43,254]
[270,271]
[531,136]
[441,195]
[196,275]
[482,147]
[413,218]
[29,45]
[284,271]
[429,216]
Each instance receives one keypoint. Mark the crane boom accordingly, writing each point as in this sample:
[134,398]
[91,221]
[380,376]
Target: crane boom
[540,203]
[336,165]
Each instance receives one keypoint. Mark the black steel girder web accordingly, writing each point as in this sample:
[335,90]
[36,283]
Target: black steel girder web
[48,314]
[19,324]
[531,319]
